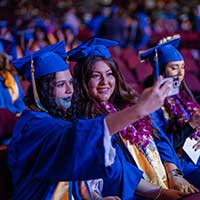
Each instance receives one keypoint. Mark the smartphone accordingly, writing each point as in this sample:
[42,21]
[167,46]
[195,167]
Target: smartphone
[174,85]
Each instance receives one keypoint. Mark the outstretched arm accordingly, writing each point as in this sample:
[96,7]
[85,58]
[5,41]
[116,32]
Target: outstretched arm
[150,100]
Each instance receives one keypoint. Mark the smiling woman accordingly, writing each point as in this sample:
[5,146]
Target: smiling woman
[99,80]
[100,90]
[179,117]
[49,153]
[52,141]
[102,82]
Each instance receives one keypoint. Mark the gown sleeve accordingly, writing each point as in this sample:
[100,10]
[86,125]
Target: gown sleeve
[52,150]
[164,142]
[122,184]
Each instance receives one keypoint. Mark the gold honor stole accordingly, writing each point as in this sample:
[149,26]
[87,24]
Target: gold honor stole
[154,172]
[11,84]
[61,192]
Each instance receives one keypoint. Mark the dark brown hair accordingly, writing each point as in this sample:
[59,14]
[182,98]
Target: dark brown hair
[5,64]
[173,125]
[149,81]
[83,103]
[45,93]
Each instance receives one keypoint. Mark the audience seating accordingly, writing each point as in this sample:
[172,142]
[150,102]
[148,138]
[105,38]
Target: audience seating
[5,175]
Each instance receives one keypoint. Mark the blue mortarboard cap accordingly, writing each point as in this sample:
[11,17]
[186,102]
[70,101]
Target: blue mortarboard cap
[45,61]
[3,23]
[66,26]
[1,47]
[163,53]
[92,47]
[28,35]
[8,47]
[40,24]
[114,9]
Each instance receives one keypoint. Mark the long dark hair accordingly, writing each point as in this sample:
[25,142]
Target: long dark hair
[45,92]
[149,81]
[173,125]
[83,104]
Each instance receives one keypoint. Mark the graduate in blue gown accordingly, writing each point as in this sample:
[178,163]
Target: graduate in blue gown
[179,117]
[11,97]
[47,150]
[99,88]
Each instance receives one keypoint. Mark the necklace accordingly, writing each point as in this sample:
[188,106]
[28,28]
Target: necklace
[182,107]
[137,133]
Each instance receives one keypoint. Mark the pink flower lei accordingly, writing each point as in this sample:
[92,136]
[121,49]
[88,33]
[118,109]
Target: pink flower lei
[138,133]
[180,103]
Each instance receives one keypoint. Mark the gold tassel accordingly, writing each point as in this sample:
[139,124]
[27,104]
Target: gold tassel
[66,60]
[35,93]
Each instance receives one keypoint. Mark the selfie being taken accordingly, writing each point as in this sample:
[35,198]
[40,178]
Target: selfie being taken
[100,100]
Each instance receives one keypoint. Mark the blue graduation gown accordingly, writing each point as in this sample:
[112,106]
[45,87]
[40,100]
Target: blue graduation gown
[129,177]
[6,101]
[167,151]
[164,143]
[45,150]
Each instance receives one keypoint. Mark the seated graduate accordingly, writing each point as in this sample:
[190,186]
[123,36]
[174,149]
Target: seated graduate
[46,149]
[99,90]
[11,97]
[179,116]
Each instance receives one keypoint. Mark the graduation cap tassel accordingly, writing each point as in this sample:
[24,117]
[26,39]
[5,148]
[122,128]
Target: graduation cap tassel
[35,93]
[156,72]
[67,60]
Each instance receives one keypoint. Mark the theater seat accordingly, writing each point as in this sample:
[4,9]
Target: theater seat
[126,72]
[190,64]
[193,82]
[7,122]
[130,57]
[25,85]
[142,71]
[5,175]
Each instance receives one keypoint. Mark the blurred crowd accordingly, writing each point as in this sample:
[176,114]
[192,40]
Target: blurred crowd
[27,26]
[137,25]
[36,24]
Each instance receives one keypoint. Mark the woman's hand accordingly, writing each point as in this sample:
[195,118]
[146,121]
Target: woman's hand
[176,180]
[197,145]
[150,100]
[179,183]
[85,195]
[153,98]
[170,194]
[195,119]
[150,191]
